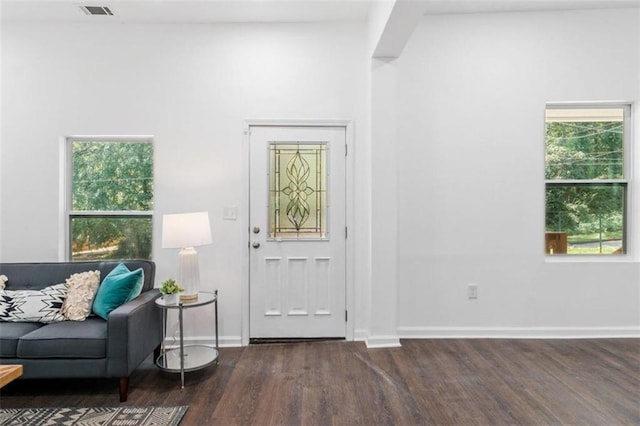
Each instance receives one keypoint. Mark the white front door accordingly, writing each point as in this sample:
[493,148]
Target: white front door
[297,232]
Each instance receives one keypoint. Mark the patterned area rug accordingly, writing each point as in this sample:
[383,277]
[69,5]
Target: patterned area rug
[97,416]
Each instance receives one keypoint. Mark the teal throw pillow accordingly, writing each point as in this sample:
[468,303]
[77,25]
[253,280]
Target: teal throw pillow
[117,288]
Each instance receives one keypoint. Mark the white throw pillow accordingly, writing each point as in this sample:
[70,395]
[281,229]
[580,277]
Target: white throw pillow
[81,290]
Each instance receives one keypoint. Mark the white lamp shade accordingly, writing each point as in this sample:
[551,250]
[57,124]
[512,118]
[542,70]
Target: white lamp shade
[185,230]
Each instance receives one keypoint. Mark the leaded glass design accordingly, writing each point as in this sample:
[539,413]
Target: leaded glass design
[297,191]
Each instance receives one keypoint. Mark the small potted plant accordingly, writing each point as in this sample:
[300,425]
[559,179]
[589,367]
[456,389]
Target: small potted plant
[170,290]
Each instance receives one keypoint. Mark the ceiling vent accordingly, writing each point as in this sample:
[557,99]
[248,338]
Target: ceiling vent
[97,10]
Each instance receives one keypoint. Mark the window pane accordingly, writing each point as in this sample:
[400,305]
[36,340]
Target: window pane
[95,238]
[112,176]
[585,219]
[584,143]
[297,191]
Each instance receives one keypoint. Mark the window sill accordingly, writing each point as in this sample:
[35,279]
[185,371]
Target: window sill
[587,258]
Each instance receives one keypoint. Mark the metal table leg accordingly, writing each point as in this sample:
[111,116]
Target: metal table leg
[181,347]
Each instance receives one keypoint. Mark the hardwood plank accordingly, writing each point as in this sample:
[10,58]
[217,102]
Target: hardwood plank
[444,381]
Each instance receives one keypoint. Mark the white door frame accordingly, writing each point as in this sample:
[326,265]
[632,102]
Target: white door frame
[349,207]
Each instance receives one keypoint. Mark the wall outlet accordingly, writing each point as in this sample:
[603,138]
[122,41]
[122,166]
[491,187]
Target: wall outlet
[472,291]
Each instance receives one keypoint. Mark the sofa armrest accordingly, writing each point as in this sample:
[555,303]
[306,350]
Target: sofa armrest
[134,331]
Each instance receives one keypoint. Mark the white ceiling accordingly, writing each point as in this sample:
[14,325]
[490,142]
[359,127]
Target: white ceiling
[188,11]
[209,11]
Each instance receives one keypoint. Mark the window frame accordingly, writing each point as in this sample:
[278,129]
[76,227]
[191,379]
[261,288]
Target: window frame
[69,213]
[626,181]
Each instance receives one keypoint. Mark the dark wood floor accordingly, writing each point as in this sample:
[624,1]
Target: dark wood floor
[457,382]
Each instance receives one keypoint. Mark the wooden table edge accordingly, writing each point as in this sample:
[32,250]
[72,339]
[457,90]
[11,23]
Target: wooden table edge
[9,373]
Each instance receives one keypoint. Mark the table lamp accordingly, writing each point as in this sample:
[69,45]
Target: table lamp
[186,231]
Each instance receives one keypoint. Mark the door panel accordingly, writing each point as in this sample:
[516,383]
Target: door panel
[297,236]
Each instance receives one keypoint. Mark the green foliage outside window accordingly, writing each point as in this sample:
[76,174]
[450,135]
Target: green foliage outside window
[586,191]
[584,150]
[111,200]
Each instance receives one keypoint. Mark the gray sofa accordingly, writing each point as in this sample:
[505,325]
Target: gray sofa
[93,348]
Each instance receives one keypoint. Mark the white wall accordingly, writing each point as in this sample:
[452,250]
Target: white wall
[384,207]
[191,86]
[471,96]
[470,93]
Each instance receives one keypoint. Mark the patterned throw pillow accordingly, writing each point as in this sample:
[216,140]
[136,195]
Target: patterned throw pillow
[81,289]
[33,305]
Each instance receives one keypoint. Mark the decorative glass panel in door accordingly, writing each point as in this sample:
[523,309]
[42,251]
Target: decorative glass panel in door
[298,191]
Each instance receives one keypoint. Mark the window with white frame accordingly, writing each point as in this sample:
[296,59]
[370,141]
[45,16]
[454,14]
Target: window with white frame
[587,165]
[110,197]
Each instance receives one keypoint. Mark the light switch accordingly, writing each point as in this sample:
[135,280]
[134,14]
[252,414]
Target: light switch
[230,213]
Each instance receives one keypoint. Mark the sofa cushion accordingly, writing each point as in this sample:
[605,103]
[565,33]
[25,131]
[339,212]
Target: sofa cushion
[120,286]
[68,339]
[10,333]
[81,290]
[33,305]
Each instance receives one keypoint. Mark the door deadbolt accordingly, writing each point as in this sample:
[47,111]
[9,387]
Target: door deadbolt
[256,230]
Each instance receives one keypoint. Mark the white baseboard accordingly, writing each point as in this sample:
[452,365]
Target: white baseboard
[393,341]
[517,332]
[360,335]
[374,342]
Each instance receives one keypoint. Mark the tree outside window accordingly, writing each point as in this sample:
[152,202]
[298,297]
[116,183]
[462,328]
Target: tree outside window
[586,179]
[111,198]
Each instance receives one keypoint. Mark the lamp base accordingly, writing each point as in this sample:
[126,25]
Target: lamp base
[188,273]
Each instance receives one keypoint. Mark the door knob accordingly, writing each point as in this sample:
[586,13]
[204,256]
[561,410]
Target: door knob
[255,244]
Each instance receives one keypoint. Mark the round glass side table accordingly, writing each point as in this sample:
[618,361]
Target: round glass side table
[187,358]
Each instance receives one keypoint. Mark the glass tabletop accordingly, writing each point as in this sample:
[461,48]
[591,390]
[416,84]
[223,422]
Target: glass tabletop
[204,298]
